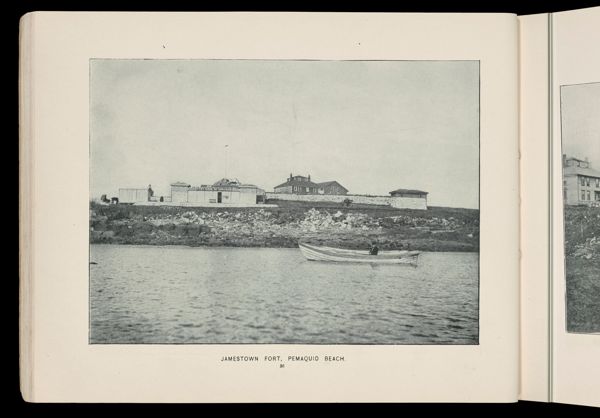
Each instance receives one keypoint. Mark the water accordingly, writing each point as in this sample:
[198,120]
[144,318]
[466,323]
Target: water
[145,294]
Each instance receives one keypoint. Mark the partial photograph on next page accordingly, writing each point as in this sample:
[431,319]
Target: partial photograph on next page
[295,202]
[580,133]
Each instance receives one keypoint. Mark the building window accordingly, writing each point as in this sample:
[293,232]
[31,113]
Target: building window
[565,194]
[583,181]
[582,195]
[589,197]
[597,182]
[588,182]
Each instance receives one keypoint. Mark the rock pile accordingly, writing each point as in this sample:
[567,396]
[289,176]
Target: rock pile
[588,250]
[582,232]
[315,220]
[434,222]
[284,227]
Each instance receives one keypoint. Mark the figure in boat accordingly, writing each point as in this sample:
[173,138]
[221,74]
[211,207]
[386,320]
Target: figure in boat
[374,249]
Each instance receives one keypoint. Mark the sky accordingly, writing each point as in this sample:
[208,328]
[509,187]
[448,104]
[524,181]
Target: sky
[374,126]
[580,122]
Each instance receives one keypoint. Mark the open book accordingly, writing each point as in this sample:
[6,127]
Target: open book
[305,207]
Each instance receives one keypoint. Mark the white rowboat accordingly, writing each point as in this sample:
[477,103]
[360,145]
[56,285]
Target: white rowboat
[319,253]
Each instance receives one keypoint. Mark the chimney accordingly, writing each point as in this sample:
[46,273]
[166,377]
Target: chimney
[587,163]
[309,177]
[290,179]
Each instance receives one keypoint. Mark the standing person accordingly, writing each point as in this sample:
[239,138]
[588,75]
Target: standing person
[150,192]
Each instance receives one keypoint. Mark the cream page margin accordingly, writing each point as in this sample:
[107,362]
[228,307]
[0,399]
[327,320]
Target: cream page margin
[576,59]
[535,213]
[66,368]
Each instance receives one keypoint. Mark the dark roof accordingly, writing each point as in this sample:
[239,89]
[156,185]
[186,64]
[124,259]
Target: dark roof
[298,183]
[408,191]
[329,183]
[227,182]
[589,172]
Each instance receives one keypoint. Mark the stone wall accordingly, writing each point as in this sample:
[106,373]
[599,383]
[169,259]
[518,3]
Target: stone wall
[397,202]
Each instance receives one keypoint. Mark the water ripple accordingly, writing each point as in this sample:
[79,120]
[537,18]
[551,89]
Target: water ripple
[222,295]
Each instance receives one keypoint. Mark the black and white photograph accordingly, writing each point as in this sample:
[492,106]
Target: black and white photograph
[303,202]
[580,132]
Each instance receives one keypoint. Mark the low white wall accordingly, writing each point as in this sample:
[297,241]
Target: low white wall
[205,205]
[308,197]
[396,202]
[245,196]
[179,196]
[133,195]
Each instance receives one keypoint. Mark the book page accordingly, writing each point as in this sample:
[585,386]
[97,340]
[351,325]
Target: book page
[535,240]
[175,260]
[576,206]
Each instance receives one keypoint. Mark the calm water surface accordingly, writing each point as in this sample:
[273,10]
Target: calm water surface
[148,294]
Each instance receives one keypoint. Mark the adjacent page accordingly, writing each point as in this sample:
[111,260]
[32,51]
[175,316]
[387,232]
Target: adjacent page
[401,127]
[575,169]
[535,211]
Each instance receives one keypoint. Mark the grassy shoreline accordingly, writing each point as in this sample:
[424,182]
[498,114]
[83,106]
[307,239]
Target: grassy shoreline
[437,229]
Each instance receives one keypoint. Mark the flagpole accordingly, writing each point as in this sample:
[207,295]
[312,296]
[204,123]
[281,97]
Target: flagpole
[226,159]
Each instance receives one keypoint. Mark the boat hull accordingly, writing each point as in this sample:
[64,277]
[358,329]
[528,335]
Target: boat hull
[317,253]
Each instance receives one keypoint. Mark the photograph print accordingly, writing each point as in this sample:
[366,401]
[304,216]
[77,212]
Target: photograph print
[289,202]
[580,133]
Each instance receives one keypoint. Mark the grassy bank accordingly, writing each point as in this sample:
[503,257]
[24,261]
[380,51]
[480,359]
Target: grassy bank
[437,229]
[582,251]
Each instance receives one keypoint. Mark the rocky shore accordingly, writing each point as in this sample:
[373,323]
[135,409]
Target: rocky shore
[437,229]
[582,251]
[582,232]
